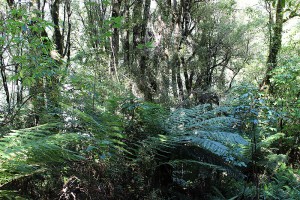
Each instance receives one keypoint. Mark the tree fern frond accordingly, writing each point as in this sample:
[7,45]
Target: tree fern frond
[27,151]
[208,129]
[269,140]
[205,164]
[213,146]
[10,195]
[102,126]
[225,137]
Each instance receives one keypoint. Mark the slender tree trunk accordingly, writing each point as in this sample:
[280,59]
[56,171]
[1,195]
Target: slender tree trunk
[137,23]
[19,87]
[145,82]
[179,79]
[37,92]
[174,79]
[188,77]
[67,48]
[4,82]
[52,84]
[127,37]
[275,46]
[165,84]
[57,34]
[114,62]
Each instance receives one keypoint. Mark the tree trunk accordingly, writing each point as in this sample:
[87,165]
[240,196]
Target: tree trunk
[52,83]
[57,34]
[179,79]
[114,62]
[127,37]
[5,85]
[174,80]
[275,46]
[146,84]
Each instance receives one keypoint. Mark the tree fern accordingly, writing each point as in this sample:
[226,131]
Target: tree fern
[103,128]
[207,128]
[27,151]
[200,136]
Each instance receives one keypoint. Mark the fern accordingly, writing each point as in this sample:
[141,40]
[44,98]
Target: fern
[27,151]
[103,128]
[202,136]
[208,129]
[10,195]
[199,138]
[53,148]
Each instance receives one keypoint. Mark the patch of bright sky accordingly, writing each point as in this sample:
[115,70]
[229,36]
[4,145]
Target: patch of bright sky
[242,4]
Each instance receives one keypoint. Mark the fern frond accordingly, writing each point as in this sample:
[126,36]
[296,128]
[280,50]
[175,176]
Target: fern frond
[225,137]
[270,139]
[10,195]
[199,136]
[213,130]
[174,163]
[213,146]
[101,126]
[27,151]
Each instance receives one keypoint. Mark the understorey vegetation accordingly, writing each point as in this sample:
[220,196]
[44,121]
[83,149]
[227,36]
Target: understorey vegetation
[154,100]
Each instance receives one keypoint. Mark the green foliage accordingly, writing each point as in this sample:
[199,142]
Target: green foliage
[286,102]
[143,118]
[28,151]
[199,140]
[103,129]
[10,195]
[262,123]
[204,137]
[285,77]
[28,33]
[42,149]
[285,184]
[259,119]
[208,129]
[110,144]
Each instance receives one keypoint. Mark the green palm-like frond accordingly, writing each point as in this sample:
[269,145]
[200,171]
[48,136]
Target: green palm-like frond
[26,151]
[211,134]
[206,128]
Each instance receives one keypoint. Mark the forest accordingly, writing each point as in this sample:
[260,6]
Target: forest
[150,99]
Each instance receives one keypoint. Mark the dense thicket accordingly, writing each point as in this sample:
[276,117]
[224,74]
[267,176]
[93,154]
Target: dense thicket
[127,99]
